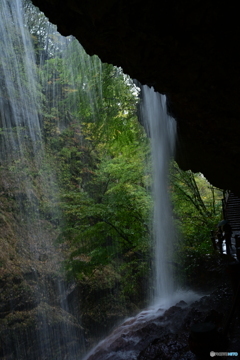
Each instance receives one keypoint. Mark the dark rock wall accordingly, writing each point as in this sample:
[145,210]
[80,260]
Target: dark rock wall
[35,321]
[185,49]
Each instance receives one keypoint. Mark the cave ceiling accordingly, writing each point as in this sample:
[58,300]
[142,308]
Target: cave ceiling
[186,49]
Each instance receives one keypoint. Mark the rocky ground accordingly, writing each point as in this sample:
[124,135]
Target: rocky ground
[166,337]
[36,323]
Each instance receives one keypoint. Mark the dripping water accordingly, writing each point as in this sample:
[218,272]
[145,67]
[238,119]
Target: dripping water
[19,109]
[53,332]
[18,97]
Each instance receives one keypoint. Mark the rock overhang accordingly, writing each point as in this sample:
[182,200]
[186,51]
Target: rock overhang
[186,50]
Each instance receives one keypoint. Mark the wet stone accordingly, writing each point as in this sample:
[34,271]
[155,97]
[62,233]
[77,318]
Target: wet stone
[165,336]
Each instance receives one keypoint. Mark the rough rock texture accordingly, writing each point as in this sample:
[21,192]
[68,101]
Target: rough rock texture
[99,302]
[44,315]
[187,50]
[35,321]
[165,336]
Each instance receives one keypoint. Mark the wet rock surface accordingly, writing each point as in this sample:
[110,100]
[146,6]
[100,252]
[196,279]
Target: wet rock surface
[44,315]
[35,322]
[45,332]
[165,335]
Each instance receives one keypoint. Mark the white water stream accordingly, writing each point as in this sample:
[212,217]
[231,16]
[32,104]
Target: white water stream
[124,342]
[17,80]
[162,131]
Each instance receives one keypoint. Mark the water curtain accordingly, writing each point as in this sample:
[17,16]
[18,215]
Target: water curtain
[40,325]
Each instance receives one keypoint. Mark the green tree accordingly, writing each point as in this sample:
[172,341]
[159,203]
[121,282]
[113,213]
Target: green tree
[106,206]
[197,210]
[99,149]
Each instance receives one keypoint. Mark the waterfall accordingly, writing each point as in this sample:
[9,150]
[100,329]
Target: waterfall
[39,324]
[162,132]
[50,328]
[127,340]
[18,97]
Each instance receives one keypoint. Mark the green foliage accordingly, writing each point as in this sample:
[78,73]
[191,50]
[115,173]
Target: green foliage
[98,150]
[106,208]
[197,209]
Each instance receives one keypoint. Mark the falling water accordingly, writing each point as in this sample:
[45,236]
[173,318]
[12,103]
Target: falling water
[162,131]
[19,120]
[127,340]
[19,103]
[39,325]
